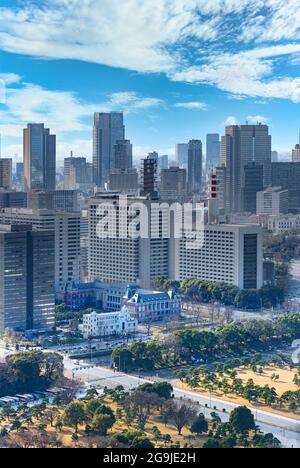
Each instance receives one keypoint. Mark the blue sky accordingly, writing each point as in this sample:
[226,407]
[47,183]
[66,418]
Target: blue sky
[177,69]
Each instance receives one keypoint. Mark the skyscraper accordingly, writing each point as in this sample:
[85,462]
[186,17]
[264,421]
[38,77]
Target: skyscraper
[254,182]
[181,154]
[77,174]
[173,183]
[39,156]
[213,150]
[66,228]
[241,146]
[108,129]
[195,165]
[5,173]
[27,278]
[149,175]
[122,155]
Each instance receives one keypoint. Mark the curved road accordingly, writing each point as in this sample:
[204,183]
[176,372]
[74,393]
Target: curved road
[285,429]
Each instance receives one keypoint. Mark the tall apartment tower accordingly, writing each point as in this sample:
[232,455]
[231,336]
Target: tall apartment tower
[123,155]
[182,154]
[39,156]
[5,173]
[27,279]
[242,145]
[213,150]
[149,175]
[195,165]
[108,129]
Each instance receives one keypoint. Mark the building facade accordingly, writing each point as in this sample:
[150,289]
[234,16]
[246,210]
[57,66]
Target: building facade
[243,145]
[39,157]
[109,324]
[66,227]
[213,151]
[195,166]
[26,279]
[173,183]
[254,183]
[272,201]
[5,173]
[108,129]
[229,254]
[182,154]
[117,257]
[154,306]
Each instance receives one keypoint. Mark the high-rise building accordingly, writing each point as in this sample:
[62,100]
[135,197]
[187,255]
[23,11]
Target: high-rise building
[173,183]
[108,129]
[296,153]
[66,227]
[20,173]
[117,257]
[195,166]
[182,154]
[125,182]
[254,182]
[5,173]
[163,162]
[149,175]
[228,254]
[242,145]
[213,150]
[77,175]
[39,155]
[27,278]
[274,156]
[13,199]
[287,175]
[136,242]
[122,155]
[58,200]
[272,201]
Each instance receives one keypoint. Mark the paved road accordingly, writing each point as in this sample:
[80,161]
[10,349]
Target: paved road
[285,429]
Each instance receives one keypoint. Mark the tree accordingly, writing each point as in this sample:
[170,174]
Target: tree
[122,358]
[212,443]
[142,442]
[182,415]
[101,423]
[242,420]
[199,425]
[74,415]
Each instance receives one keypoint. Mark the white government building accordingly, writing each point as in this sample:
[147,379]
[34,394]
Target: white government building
[108,324]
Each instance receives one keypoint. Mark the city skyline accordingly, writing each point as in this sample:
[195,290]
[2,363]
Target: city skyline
[190,71]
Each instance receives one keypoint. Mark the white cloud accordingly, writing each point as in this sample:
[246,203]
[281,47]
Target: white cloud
[62,111]
[248,73]
[186,40]
[192,105]
[254,119]
[231,120]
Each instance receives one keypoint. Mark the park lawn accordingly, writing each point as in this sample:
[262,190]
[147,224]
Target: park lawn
[284,384]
